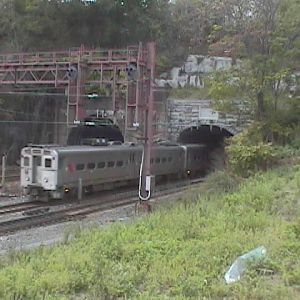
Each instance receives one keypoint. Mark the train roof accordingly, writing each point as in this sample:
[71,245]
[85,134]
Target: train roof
[87,148]
[83,148]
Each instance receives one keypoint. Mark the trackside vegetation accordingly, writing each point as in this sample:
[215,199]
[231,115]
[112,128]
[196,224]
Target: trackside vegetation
[181,251]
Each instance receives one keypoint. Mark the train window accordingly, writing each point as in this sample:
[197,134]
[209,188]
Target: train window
[101,165]
[91,165]
[169,159]
[48,163]
[111,164]
[164,159]
[157,160]
[79,167]
[26,161]
[120,163]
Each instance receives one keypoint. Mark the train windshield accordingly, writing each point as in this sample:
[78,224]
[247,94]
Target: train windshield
[26,161]
[48,162]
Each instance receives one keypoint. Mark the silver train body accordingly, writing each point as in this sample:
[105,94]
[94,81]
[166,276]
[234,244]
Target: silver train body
[51,172]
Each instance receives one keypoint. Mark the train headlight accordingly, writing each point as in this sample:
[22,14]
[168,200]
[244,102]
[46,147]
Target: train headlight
[45,179]
[27,179]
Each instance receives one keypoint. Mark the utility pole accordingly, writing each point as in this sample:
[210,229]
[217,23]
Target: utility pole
[147,179]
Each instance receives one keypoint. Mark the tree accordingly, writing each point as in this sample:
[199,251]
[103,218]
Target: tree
[269,43]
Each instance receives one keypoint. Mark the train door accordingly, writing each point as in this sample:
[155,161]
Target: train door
[26,169]
[134,162]
[132,165]
[36,169]
[184,157]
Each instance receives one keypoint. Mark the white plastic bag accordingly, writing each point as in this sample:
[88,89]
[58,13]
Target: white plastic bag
[237,268]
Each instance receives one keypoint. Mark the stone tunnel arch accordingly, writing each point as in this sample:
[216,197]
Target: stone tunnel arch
[211,135]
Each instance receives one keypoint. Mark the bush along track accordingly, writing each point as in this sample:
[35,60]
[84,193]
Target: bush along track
[181,251]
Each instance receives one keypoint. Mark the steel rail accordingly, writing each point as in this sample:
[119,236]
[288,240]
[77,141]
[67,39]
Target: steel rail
[41,217]
[18,207]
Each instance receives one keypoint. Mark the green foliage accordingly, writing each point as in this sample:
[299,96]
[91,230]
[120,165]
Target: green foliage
[225,87]
[246,159]
[33,25]
[296,143]
[222,84]
[268,42]
[100,90]
[220,182]
[163,64]
[262,146]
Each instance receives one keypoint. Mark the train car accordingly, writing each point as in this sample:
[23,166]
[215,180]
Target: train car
[51,171]
[196,159]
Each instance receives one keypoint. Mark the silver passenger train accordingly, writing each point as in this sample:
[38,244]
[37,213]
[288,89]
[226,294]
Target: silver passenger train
[51,171]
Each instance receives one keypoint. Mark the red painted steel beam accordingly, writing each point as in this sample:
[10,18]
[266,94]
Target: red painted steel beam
[35,69]
[100,67]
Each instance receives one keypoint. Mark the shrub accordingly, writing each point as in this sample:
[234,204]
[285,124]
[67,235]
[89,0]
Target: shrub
[220,182]
[247,159]
[252,151]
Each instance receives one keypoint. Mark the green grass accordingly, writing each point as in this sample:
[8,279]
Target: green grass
[181,251]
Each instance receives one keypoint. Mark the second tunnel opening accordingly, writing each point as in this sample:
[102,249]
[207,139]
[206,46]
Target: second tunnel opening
[213,137]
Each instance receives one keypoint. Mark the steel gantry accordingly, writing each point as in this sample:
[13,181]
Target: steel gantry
[124,75]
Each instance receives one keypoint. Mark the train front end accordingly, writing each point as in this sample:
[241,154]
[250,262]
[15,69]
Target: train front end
[39,165]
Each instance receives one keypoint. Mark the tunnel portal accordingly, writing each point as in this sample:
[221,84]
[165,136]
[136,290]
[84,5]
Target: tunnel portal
[211,135]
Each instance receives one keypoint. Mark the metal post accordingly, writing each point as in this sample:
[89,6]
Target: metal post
[114,94]
[138,85]
[149,110]
[3,169]
[79,196]
[78,88]
[147,179]
[126,114]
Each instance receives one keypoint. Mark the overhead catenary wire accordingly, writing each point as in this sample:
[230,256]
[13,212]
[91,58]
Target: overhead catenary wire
[16,112]
[35,94]
[45,94]
[33,122]
[63,87]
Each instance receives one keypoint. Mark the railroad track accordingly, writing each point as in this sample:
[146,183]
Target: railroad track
[27,206]
[18,207]
[40,215]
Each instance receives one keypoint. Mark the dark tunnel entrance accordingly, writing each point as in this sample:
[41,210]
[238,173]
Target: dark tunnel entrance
[210,135]
[213,137]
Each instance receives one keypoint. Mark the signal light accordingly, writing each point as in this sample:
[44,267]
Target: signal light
[131,72]
[72,73]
